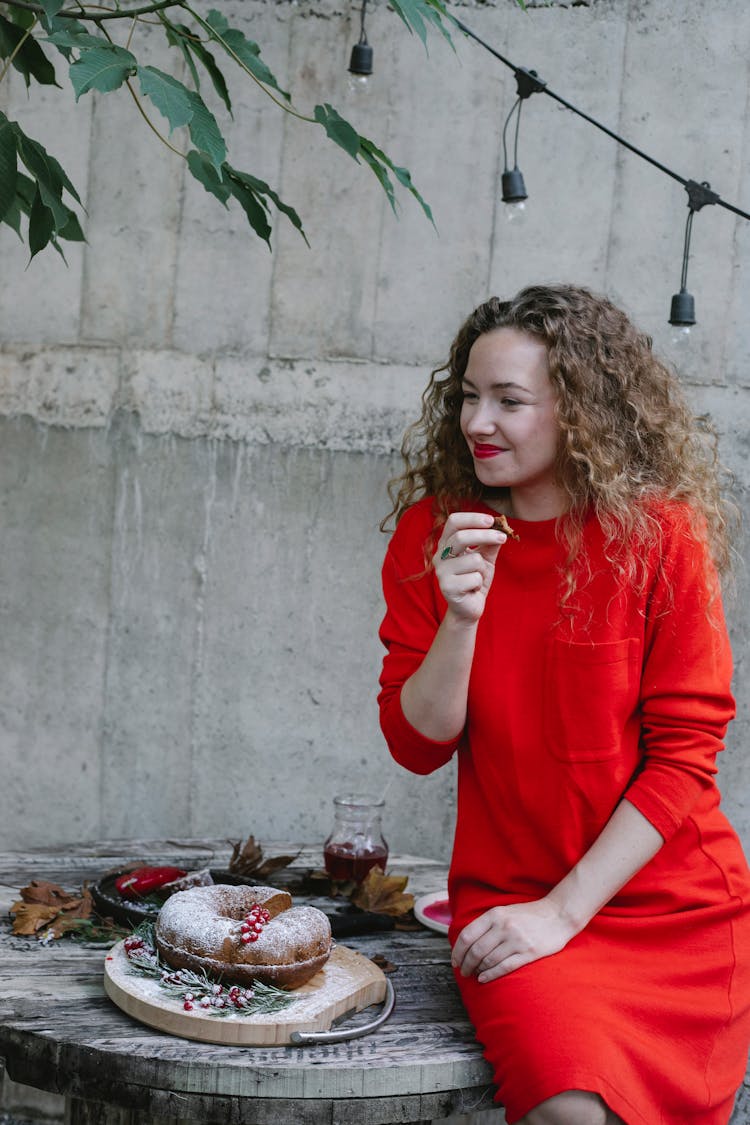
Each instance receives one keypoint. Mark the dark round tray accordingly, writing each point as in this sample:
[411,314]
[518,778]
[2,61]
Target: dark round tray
[109,902]
[346,919]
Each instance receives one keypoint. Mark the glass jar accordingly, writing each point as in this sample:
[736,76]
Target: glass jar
[356,842]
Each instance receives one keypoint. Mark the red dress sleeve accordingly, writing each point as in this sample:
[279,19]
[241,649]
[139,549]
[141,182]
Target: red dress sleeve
[686,701]
[414,610]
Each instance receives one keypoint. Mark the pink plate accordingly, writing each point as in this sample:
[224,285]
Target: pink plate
[434,911]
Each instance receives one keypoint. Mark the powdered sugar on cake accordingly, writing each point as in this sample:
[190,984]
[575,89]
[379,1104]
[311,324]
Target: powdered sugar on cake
[205,925]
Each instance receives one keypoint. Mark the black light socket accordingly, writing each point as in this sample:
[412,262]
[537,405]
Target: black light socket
[361,60]
[682,312]
[514,189]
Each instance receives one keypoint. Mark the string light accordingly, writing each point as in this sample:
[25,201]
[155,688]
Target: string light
[682,309]
[360,62]
[682,313]
[514,188]
[514,194]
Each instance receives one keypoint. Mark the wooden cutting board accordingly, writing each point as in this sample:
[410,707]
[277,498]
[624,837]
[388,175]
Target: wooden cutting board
[348,982]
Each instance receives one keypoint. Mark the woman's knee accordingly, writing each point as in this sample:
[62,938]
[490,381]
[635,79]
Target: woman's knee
[573,1107]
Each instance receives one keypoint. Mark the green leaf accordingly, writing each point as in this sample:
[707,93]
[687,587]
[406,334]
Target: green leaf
[51,7]
[180,35]
[418,14]
[8,166]
[25,192]
[103,69]
[206,174]
[260,188]
[30,60]
[381,164]
[217,78]
[184,107]
[41,225]
[36,159]
[59,171]
[76,37]
[22,17]
[217,22]
[13,218]
[339,130]
[49,184]
[169,96]
[204,132]
[72,230]
[403,175]
[50,177]
[253,206]
[243,50]
[176,39]
[382,175]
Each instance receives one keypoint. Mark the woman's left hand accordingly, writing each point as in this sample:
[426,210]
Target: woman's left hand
[506,937]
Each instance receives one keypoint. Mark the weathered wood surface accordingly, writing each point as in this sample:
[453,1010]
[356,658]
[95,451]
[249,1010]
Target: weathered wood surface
[59,1031]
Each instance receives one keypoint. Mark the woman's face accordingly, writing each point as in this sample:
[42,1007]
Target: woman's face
[508,420]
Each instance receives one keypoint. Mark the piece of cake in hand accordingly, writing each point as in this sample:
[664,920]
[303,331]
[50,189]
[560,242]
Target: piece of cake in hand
[501,524]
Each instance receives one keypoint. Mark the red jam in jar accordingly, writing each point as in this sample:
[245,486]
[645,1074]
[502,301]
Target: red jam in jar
[356,843]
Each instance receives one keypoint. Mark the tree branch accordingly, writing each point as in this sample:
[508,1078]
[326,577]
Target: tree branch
[104,14]
[217,38]
[135,97]
[150,123]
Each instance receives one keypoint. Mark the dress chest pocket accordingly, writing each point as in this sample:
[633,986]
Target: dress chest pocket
[590,691]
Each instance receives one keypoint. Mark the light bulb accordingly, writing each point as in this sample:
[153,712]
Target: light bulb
[515,213]
[680,336]
[359,84]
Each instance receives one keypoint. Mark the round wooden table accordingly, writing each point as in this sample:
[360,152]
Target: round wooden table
[59,1031]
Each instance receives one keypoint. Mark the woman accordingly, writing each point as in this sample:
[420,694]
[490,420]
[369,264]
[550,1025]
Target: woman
[600,899]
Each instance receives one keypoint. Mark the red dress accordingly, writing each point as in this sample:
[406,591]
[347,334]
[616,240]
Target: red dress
[649,1005]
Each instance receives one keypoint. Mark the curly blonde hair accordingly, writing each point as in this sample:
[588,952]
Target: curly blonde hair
[629,440]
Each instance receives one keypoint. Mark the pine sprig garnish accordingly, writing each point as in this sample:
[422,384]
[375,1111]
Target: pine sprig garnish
[196,990]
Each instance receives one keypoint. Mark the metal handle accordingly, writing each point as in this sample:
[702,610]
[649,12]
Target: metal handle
[306,1038]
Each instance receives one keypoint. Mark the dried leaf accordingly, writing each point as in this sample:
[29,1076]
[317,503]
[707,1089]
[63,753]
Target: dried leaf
[48,908]
[31,917]
[268,866]
[383,894]
[247,859]
[50,894]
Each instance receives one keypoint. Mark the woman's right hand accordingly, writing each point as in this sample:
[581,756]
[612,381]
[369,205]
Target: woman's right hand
[464,562]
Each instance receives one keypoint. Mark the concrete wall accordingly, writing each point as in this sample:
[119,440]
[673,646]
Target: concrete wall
[196,435]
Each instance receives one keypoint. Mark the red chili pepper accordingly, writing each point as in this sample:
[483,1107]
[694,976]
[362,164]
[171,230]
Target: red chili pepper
[144,880]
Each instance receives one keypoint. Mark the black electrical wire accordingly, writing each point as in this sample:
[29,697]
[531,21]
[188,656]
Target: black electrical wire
[696,198]
[686,249]
[516,107]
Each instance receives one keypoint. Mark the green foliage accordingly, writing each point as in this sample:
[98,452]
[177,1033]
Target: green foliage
[418,16]
[39,196]
[103,68]
[28,57]
[85,38]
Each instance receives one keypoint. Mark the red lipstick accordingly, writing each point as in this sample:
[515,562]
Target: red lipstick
[481,451]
